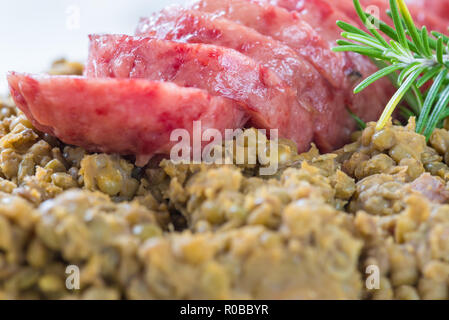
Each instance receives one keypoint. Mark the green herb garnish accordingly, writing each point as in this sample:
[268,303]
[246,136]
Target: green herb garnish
[411,57]
[360,123]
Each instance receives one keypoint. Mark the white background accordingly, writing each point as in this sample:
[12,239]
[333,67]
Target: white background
[35,32]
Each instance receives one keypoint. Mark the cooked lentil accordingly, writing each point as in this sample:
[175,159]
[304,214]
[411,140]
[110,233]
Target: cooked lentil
[204,231]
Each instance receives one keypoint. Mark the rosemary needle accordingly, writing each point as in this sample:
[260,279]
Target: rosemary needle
[414,56]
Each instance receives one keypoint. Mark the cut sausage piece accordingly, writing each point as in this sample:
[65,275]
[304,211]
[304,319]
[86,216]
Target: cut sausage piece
[192,26]
[125,116]
[332,123]
[439,8]
[283,26]
[271,103]
[434,19]
[433,188]
[289,27]
[322,16]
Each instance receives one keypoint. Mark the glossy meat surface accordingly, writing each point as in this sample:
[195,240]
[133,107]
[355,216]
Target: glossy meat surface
[288,27]
[123,116]
[271,103]
[322,16]
[332,124]
[283,26]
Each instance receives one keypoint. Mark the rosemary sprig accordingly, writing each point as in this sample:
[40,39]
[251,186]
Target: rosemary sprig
[410,56]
